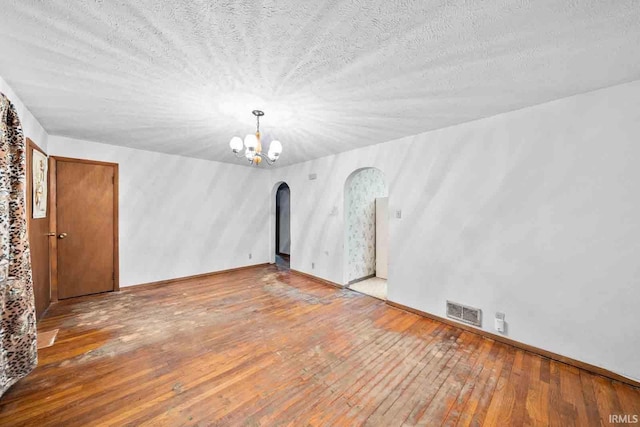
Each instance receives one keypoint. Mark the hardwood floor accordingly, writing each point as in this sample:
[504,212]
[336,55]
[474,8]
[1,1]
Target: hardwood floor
[265,347]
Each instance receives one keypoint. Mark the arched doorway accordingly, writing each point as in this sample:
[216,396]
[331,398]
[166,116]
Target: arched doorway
[281,239]
[366,232]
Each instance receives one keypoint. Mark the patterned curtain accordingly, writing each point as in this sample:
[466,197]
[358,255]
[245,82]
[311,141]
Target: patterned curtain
[18,347]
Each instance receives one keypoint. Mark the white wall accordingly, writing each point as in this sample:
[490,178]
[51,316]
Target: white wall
[535,213]
[181,216]
[30,126]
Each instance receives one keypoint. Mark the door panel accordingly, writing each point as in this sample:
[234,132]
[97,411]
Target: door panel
[38,229]
[85,228]
[382,236]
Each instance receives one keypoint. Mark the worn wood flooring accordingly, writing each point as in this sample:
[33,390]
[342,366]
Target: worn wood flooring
[267,347]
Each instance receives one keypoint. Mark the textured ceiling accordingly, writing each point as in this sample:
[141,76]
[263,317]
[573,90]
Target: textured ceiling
[182,77]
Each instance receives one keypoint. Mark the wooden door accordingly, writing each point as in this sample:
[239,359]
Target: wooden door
[86,227]
[38,229]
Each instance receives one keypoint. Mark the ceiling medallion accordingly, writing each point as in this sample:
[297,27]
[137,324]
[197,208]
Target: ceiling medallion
[253,146]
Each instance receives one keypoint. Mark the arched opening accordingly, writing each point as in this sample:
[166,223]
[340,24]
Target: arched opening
[281,238]
[366,232]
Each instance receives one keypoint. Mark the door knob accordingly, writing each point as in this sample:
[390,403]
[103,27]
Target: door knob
[62,235]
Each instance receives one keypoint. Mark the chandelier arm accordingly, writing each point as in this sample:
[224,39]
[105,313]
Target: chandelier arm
[266,158]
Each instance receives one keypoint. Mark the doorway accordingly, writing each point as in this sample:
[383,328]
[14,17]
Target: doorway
[85,220]
[366,232]
[283,226]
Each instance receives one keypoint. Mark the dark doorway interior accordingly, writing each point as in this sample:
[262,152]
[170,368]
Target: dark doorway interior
[283,226]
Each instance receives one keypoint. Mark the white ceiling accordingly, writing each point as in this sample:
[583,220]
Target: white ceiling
[182,76]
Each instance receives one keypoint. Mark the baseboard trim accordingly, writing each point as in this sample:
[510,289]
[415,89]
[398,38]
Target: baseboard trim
[316,278]
[362,279]
[194,277]
[526,347]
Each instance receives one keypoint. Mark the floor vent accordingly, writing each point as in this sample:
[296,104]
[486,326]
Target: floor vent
[463,313]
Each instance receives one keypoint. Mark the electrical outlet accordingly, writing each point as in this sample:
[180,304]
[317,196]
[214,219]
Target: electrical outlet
[313,265]
[313,176]
[398,213]
[249,255]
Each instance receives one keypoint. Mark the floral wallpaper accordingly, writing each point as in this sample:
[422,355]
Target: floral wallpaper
[360,208]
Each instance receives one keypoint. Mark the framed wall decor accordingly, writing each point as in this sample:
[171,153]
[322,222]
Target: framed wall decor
[39,167]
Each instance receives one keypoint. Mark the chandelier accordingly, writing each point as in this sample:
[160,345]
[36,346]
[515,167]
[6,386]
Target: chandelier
[253,146]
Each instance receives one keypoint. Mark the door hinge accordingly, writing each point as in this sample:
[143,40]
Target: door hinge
[113,276]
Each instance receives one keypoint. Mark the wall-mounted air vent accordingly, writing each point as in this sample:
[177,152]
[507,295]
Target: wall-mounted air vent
[463,313]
